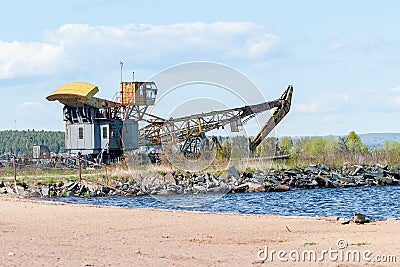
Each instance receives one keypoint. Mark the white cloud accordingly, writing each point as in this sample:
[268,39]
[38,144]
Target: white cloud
[323,103]
[31,104]
[81,47]
[308,108]
[33,58]
[37,115]
[359,41]
[395,88]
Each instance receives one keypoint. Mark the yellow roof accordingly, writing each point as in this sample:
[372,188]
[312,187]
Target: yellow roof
[74,94]
[80,90]
[77,94]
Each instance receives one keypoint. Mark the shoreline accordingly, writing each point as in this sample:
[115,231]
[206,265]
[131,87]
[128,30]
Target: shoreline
[231,181]
[47,233]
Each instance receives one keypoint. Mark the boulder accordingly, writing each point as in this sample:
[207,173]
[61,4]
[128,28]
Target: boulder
[359,170]
[45,192]
[34,194]
[241,188]
[72,186]
[360,218]
[169,178]
[280,188]
[253,187]
[200,179]
[10,190]
[384,180]
[21,190]
[234,172]
[198,189]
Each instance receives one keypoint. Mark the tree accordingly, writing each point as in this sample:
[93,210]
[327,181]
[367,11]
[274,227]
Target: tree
[316,146]
[354,143]
[285,145]
[391,146]
[331,144]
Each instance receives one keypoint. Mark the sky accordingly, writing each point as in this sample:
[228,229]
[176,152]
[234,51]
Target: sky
[342,57]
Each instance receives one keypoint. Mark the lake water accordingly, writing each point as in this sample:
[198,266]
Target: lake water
[378,203]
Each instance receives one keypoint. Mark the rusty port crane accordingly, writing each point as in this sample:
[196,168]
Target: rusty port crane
[190,130]
[103,130]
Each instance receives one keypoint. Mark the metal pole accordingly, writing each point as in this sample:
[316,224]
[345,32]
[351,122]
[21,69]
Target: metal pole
[15,174]
[122,85]
[106,177]
[79,168]
[121,64]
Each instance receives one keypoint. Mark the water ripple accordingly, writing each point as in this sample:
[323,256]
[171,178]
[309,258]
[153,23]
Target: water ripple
[376,202]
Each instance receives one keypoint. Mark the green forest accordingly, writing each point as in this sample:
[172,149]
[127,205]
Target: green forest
[13,142]
[325,149]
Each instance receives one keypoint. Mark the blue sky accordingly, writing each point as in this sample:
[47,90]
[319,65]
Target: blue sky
[342,57]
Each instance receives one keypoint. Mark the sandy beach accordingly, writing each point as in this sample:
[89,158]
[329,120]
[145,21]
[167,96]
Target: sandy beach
[36,233]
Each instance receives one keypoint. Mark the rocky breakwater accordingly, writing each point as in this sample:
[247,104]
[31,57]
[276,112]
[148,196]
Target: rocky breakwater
[232,181]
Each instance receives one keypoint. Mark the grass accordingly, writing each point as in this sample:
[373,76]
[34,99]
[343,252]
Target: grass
[359,244]
[135,169]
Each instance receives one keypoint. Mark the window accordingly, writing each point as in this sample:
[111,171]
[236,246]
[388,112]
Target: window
[105,135]
[80,132]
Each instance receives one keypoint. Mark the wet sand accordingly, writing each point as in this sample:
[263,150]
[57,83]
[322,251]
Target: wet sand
[35,233]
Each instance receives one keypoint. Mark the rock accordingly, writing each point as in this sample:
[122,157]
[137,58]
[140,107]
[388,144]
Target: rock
[34,194]
[395,173]
[45,192]
[198,189]
[10,191]
[359,170]
[293,182]
[200,179]
[344,221]
[234,172]
[72,186]
[346,180]
[169,178]
[384,180]
[162,192]
[222,189]
[83,189]
[105,190]
[360,218]
[253,187]
[241,188]
[281,188]
[373,174]
[323,181]
[274,181]
[324,167]
[21,190]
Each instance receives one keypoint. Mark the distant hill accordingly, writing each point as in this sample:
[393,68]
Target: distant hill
[21,142]
[374,140]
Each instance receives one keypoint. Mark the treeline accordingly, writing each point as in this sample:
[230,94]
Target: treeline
[312,150]
[14,142]
[337,151]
